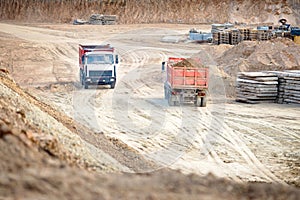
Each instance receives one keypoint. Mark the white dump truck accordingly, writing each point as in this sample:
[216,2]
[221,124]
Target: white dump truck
[98,65]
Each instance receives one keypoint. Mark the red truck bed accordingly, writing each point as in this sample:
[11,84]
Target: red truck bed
[186,77]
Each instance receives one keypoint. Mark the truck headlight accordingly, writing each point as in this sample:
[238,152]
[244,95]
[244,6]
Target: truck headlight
[112,79]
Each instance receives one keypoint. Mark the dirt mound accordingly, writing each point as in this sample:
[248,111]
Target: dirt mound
[28,173]
[156,11]
[60,135]
[277,54]
[188,63]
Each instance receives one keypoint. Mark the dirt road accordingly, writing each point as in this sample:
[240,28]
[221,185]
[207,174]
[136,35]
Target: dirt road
[236,141]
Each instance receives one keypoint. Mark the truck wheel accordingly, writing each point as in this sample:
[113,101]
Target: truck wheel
[80,77]
[112,85]
[86,85]
[177,103]
[203,102]
[166,93]
[198,101]
[170,102]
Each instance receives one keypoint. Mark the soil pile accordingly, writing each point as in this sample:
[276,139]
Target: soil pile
[277,54]
[29,173]
[189,63]
[155,11]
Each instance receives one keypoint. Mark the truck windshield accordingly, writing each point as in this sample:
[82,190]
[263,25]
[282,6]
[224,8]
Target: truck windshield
[100,59]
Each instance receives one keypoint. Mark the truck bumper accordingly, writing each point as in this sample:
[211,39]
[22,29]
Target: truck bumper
[100,81]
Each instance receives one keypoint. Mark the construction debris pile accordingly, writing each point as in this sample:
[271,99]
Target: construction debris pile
[97,19]
[269,86]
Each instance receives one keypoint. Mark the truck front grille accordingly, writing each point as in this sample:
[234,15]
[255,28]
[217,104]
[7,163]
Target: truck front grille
[100,73]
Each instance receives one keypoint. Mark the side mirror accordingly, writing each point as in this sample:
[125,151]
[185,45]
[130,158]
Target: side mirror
[163,66]
[117,59]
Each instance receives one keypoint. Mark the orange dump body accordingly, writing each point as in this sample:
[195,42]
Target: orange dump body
[186,77]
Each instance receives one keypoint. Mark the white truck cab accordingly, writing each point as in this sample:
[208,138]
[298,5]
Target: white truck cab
[98,65]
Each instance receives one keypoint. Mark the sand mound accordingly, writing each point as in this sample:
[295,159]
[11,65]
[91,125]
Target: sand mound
[189,63]
[277,54]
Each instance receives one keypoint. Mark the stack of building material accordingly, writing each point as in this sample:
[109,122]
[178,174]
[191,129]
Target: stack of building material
[245,32]
[216,38]
[200,36]
[221,27]
[253,35]
[289,86]
[264,35]
[98,19]
[223,37]
[235,37]
[256,87]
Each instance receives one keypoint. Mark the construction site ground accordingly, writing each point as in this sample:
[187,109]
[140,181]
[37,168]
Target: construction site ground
[131,128]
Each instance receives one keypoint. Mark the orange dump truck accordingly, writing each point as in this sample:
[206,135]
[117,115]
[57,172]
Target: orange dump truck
[186,83]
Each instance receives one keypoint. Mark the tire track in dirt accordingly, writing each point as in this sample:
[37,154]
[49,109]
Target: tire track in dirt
[239,145]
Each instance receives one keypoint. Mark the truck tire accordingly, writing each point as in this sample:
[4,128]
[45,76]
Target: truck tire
[166,93]
[86,85]
[80,76]
[112,85]
[170,102]
[203,102]
[198,101]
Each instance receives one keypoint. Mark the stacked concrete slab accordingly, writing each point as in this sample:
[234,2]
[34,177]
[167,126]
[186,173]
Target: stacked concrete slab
[98,19]
[289,87]
[269,86]
[256,87]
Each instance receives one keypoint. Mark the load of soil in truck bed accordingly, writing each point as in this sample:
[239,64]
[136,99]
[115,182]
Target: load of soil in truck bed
[189,63]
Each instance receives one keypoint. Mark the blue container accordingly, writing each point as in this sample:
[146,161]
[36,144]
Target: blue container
[263,28]
[200,36]
[295,32]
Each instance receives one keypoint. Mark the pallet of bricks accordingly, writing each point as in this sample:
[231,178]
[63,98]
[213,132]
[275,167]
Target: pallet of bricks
[253,35]
[234,37]
[245,33]
[263,35]
[216,38]
[289,86]
[224,37]
[221,37]
[256,87]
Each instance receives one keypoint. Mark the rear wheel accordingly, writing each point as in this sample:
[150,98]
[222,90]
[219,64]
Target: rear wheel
[166,93]
[203,102]
[198,101]
[170,101]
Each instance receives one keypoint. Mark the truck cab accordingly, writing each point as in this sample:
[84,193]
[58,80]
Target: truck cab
[98,65]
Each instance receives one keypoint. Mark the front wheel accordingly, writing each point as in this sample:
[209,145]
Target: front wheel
[86,85]
[81,77]
[112,85]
